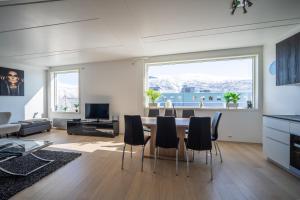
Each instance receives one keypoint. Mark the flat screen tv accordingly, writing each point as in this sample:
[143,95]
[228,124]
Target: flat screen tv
[97,111]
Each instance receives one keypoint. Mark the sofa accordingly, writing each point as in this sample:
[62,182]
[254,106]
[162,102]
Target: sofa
[34,126]
[5,127]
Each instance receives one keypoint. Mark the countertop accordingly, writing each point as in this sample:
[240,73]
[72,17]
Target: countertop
[295,118]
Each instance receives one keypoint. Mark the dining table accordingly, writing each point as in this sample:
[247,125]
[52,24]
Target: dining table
[181,125]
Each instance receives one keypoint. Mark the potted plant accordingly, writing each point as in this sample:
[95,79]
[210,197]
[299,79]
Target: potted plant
[153,96]
[231,99]
[168,104]
[76,107]
[202,99]
[65,108]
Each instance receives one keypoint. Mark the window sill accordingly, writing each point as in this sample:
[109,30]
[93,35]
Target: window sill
[65,112]
[213,109]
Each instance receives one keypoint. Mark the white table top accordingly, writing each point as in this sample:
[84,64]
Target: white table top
[180,122]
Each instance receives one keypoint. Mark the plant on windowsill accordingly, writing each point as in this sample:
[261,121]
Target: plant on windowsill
[76,107]
[153,96]
[65,108]
[231,99]
[202,99]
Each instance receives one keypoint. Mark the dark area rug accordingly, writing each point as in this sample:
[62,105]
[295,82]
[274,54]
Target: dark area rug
[10,185]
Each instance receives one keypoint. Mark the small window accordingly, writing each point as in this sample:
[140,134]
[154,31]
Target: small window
[65,91]
[203,83]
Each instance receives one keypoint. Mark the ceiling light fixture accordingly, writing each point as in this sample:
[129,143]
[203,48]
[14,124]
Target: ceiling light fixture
[240,3]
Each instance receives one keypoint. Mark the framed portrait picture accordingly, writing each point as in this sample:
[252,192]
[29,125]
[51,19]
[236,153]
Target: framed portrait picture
[11,82]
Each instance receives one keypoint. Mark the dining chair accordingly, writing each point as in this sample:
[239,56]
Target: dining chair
[153,112]
[214,132]
[188,113]
[170,112]
[134,135]
[166,137]
[199,139]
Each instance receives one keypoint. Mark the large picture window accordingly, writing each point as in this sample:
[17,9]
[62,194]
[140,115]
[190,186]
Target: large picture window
[203,83]
[65,91]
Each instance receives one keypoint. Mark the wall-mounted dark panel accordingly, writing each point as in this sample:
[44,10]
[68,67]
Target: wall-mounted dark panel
[288,61]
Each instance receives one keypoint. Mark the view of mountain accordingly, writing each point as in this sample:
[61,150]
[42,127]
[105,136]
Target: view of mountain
[168,85]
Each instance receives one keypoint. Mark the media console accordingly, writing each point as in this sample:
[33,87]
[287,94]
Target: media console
[93,128]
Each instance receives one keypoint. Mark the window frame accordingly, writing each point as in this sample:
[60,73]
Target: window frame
[53,89]
[255,79]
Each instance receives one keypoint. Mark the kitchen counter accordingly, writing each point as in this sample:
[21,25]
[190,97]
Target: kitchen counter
[295,118]
[281,135]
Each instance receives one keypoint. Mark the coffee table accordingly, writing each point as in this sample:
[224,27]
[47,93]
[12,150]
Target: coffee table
[11,148]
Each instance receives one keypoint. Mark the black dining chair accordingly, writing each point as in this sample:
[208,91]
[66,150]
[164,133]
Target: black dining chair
[166,137]
[134,135]
[188,113]
[153,112]
[170,112]
[199,139]
[214,132]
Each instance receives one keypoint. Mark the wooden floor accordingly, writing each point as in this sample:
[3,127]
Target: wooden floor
[97,174]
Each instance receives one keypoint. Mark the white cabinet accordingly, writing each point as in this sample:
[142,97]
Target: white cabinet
[276,140]
[295,128]
[277,151]
[279,136]
[278,124]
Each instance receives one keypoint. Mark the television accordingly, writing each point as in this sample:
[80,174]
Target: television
[97,111]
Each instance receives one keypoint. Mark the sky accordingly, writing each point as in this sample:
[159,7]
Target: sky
[237,69]
[68,78]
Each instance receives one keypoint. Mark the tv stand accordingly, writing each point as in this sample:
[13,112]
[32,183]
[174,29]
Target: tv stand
[93,128]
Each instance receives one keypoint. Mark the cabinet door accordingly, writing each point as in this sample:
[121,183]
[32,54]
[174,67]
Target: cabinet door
[288,61]
[278,152]
[282,71]
[279,136]
[297,59]
[278,124]
[291,62]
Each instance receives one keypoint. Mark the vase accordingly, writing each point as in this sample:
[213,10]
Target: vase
[232,105]
[152,105]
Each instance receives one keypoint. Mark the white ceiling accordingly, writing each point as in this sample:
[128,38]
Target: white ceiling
[63,32]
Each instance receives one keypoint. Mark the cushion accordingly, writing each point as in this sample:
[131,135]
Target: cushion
[4,117]
[26,124]
[34,120]
[9,128]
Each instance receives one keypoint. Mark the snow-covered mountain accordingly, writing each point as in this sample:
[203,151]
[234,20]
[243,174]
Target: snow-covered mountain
[170,85]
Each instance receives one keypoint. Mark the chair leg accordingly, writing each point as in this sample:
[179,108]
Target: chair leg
[143,158]
[155,151]
[187,162]
[131,150]
[123,156]
[215,148]
[176,162]
[206,157]
[211,166]
[193,155]
[219,152]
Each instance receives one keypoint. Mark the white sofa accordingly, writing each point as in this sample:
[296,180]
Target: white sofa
[5,127]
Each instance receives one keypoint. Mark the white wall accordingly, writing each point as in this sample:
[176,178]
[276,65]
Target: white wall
[34,100]
[279,99]
[121,83]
